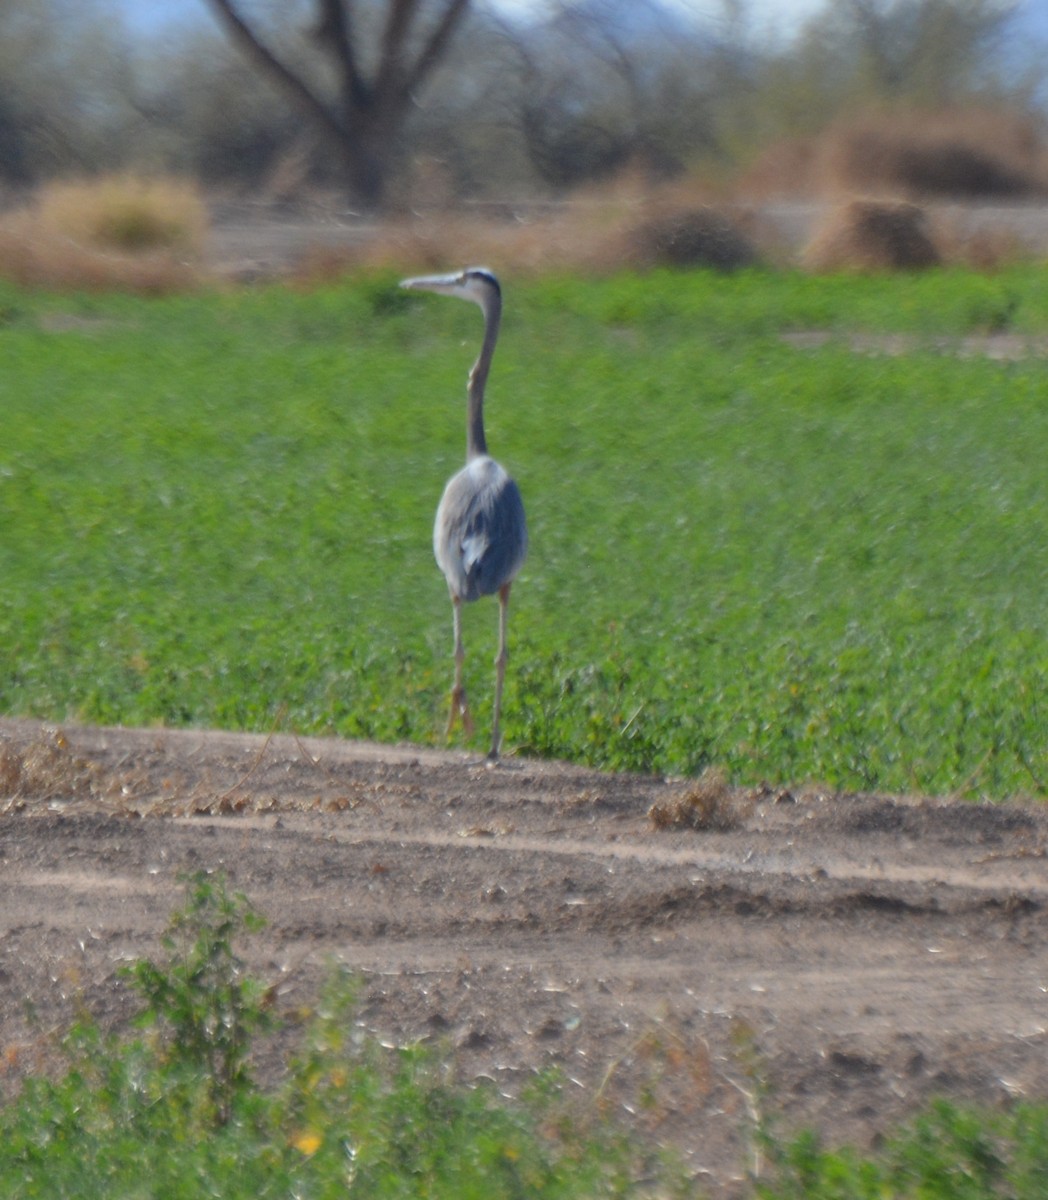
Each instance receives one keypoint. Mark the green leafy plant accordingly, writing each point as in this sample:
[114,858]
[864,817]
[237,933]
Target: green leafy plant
[949,1152]
[200,998]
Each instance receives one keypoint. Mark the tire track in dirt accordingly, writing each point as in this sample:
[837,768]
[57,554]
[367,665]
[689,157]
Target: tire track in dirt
[868,952]
[1009,877]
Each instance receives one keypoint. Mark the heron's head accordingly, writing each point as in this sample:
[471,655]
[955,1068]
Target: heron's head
[474,283]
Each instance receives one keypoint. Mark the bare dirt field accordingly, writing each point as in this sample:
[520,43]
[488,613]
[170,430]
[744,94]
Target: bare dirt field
[866,952]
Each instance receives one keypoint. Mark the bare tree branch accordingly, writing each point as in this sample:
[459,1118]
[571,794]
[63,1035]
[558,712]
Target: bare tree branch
[245,37]
[369,110]
[402,77]
[437,43]
[334,32]
[399,19]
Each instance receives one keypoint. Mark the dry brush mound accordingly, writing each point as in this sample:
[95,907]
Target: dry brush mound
[873,235]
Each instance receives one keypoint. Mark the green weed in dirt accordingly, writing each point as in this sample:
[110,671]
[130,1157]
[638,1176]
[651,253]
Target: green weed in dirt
[791,563]
[177,1114]
[946,1153]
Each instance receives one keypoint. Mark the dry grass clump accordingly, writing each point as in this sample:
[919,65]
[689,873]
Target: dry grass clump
[38,261]
[708,804]
[128,213]
[873,235]
[47,770]
[965,153]
[123,232]
[692,237]
[962,153]
[983,250]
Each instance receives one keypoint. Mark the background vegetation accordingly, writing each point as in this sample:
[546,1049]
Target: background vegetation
[570,93]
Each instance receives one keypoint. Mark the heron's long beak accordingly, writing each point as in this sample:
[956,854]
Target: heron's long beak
[448,285]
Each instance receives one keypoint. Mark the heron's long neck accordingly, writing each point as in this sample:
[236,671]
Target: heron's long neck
[476,443]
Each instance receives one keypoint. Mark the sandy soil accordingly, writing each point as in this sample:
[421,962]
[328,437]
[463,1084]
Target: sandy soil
[867,952]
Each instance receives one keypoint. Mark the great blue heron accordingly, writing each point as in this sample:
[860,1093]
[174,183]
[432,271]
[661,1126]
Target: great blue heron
[480,537]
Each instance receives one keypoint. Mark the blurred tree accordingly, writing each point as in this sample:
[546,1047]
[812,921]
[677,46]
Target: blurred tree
[855,56]
[435,100]
[928,51]
[63,106]
[603,83]
[208,113]
[363,111]
[14,151]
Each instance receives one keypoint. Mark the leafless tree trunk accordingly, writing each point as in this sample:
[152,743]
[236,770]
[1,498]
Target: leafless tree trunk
[366,114]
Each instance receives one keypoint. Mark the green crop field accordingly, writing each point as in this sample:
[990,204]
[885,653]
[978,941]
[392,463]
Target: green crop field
[794,559]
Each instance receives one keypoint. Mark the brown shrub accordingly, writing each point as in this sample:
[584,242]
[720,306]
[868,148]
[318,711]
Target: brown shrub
[626,221]
[980,249]
[44,770]
[693,237]
[38,261]
[963,153]
[122,233]
[425,243]
[531,241]
[128,213]
[873,235]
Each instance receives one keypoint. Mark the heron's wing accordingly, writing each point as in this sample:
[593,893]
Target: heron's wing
[480,538]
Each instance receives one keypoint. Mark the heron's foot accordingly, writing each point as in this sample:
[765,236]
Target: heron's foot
[459,711]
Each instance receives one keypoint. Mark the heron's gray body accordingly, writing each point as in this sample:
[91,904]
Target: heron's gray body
[480,538]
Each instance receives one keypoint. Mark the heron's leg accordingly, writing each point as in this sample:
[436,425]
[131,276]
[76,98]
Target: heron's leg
[459,707]
[500,669]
